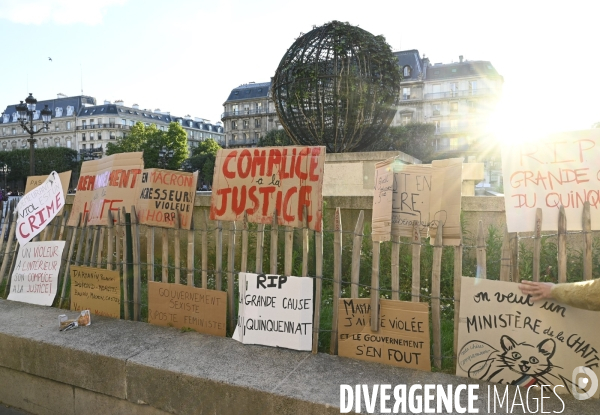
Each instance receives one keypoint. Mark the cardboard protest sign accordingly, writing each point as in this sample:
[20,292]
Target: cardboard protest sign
[402,340]
[165,193]
[176,305]
[37,208]
[445,200]
[559,170]
[382,200]
[504,337]
[261,180]
[275,310]
[35,181]
[109,183]
[35,278]
[97,290]
[412,192]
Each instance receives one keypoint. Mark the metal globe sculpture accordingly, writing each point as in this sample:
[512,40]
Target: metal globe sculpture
[337,86]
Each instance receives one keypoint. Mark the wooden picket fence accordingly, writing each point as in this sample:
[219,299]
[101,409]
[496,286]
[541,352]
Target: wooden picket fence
[180,256]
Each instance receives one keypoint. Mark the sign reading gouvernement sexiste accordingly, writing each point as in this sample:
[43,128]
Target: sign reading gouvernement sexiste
[97,290]
[176,305]
[164,194]
[260,181]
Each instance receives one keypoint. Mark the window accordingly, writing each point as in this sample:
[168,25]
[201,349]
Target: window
[407,71]
[57,127]
[68,143]
[233,137]
[82,136]
[91,136]
[258,107]
[437,125]
[234,125]
[35,128]
[234,109]
[472,87]
[14,131]
[99,135]
[112,135]
[123,121]
[83,124]
[3,130]
[454,106]
[436,109]
[68,125]
[405,93]
[111,122]
[245,124]
[454,88]
[83,146]
[92,123]
[245,136]
[45,143]
[57,143]
[246,108]
[257,136]
[131,123]
[257,123]
[406,118]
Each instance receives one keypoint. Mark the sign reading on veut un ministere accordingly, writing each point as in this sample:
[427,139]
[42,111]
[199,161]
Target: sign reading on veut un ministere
[37,208]
[504,337]
[180,306]
[109,183]
[36,181]
[402,339]
[275,310]
[559,170]
[97,290]
[260,181]
[35,278]
[164,194]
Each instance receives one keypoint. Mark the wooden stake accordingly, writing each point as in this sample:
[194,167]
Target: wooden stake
[587,242]
[435,297]
[190,255]
[231,276]
[318,289]
[337,277]
[481,253]
[537,244]
[356,249]
[274,238]
[416,263]
[562,245]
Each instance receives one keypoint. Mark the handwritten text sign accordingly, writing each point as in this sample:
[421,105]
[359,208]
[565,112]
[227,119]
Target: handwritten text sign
[504,337]
[402,340]
[97,290]
[35,278]
[560,170]
[35,181]
[176,305]
[382,200]
[109,183]
[165,193]
[38,207]
[412,191]
[260,181]
[275,311]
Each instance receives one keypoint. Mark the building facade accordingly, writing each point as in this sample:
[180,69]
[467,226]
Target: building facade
[248,114]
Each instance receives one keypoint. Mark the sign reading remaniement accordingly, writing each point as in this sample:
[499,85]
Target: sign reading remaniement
[97,290]
[275,311]
[38,207]
[35,278]
[260,181]
[181,306]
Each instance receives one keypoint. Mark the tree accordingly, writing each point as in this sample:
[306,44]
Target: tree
[413,139]
[203,159]
[275,138]
[162,149]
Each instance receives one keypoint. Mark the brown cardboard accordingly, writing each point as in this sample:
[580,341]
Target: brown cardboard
[109,183]
[35,181]
[446,184]
[382,200]
[402,340]
[412,194]
[176,305]
[260,180]
[97,290]
[504,337]
[165,193]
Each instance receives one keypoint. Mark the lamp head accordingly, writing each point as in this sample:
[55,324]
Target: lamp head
[31,101]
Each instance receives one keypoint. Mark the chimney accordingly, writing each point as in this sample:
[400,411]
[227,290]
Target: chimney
[106,102]
[460,58]
[135,106]
[119,102]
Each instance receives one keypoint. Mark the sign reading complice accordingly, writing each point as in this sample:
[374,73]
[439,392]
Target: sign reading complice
[109,183]
[164,194]
[504,337]
[37,208]
[97,290]
[275,310]
[181,306]
[260,181]
[35,278]
[403,337]
[561,170]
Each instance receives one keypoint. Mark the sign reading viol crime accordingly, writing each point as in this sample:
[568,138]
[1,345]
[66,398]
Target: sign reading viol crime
[38,207]
[261,180]
[275,310]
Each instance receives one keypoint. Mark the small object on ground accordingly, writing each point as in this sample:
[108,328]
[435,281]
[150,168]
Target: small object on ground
[84,319]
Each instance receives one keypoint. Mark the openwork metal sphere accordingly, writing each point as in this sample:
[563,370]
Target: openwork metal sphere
[337,86]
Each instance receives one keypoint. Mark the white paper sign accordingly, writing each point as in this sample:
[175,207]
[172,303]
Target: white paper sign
[38,207]
[35,278]
[275,311]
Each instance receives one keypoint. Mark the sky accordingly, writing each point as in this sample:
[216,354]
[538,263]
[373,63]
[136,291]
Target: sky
[186,56]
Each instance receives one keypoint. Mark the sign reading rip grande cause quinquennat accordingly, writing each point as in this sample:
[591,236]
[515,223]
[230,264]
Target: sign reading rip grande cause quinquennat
[107,184]
[260,181]
[562,169]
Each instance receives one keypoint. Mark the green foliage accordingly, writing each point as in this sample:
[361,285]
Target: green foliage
[48,159]
[152,141]
[203,159]
[275,138]
[413,139]
[208,146]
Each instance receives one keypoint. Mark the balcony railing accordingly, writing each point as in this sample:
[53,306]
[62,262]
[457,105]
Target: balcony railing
[239,143]
[97,126]
[241,113]
[459,94]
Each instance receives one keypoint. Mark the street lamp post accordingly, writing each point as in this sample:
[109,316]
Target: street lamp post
[164,157]
[5,171]
[26,111]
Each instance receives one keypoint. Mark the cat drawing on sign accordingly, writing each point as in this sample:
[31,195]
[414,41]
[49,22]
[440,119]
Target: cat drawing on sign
[519,364]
